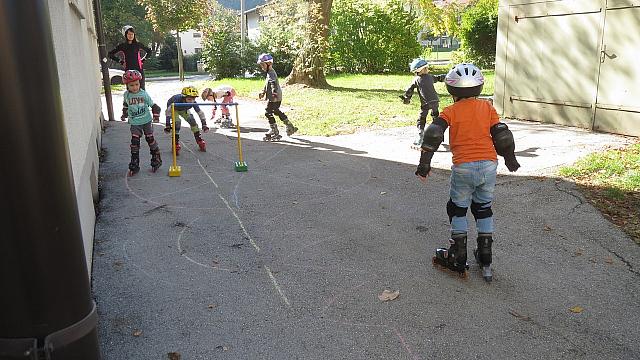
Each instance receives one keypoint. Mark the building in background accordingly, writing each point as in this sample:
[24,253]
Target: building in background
[191,41]
[570,62]
[253,18]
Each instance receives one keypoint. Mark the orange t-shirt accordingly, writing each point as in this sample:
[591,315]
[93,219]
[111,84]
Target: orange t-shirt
[470,121]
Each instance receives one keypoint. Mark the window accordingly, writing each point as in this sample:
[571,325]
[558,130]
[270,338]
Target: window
[197,35]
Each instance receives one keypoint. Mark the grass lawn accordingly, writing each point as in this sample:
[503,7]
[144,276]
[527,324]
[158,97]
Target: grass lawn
[354,102]
[611,182]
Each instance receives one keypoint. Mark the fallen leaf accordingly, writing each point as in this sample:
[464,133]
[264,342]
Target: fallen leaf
[389,295]
[137,333]
[221,347]
[576,309]
[295,202]
[174,356]
[382,192]
[215,262]
[547,228]
[211,306]
[519,316]
[593,260]
[579,252]
[608,260]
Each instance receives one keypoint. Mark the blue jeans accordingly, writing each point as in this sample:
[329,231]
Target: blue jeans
[473,181]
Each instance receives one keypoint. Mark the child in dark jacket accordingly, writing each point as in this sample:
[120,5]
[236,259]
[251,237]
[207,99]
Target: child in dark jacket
[429,100]
[273,94]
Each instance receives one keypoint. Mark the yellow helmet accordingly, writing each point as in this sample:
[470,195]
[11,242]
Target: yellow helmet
[190,91]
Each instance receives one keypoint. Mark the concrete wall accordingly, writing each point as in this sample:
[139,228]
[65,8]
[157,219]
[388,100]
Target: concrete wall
[190,42]
[551,64]
[76,55]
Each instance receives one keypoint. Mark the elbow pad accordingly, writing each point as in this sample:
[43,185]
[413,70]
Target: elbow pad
[434,135]
[155,109]
[503,140]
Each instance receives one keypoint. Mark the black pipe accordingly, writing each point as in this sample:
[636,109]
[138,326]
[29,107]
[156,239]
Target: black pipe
[102,52]
[45,298]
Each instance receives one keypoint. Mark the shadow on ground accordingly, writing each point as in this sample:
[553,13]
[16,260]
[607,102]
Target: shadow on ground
[287,261]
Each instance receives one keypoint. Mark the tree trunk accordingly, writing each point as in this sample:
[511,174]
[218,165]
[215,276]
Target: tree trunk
[308,68]
[180,64]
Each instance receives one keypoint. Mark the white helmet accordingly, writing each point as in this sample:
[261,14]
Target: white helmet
[127,28]
[464,80]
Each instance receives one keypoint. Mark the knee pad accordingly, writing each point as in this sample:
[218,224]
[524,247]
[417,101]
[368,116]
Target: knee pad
[454,210]
[269,115]
[481,210]
[135,143]
[150,139]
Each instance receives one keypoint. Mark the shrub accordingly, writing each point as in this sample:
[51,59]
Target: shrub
[190,62]
[167,60]
[372,37]
[221,43]
[478,32]
[281,33]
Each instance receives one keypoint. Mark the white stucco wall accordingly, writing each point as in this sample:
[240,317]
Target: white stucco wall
[253,24]
[189,42]
[76,54]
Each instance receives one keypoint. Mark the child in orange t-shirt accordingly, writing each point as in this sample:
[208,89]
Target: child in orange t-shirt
[476,137]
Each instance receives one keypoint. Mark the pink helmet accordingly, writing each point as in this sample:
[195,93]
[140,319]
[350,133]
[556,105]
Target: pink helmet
[131,76]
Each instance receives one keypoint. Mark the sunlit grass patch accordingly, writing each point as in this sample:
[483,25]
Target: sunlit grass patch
[354,102]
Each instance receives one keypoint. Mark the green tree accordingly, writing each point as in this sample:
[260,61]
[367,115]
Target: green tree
[221,43]
[282,32]
[372,37]
[178,16]
[117,13]
[441,19]
[478,32]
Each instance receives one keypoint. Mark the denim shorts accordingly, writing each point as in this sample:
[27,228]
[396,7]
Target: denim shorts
[473,181]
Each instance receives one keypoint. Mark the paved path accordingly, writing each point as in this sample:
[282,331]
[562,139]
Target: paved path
[287,260]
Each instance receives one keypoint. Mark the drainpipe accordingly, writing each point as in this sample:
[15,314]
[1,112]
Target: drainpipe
[46,310]
[102,51]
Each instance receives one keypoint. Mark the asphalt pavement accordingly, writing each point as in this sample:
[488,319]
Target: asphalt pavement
[288,259]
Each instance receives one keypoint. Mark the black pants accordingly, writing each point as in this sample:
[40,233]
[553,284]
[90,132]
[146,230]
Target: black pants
[274,108]
[424,111]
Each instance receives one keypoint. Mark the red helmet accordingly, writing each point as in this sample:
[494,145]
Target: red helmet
[131,76]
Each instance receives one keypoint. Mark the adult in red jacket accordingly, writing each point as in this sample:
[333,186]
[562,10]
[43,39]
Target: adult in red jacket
[130,52]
